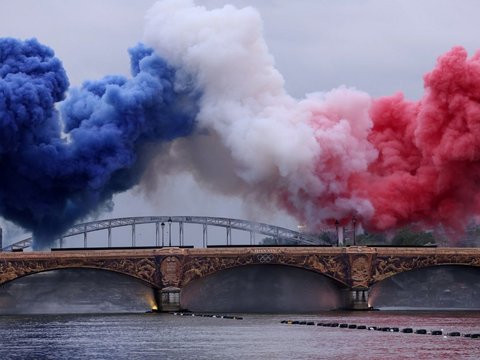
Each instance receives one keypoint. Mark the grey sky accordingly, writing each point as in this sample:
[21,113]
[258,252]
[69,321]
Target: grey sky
[377,46]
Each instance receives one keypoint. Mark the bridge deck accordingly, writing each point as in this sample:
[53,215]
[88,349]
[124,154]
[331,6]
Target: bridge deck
[223,251]
[355,267]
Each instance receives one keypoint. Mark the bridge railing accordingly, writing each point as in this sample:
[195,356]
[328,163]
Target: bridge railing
[279,234]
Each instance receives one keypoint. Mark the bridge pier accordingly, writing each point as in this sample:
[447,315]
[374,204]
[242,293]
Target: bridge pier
[168,299]
[357,299]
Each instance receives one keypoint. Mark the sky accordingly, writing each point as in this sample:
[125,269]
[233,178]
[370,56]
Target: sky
[377,46]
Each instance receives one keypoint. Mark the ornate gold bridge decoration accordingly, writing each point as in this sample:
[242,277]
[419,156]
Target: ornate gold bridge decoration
[352,267]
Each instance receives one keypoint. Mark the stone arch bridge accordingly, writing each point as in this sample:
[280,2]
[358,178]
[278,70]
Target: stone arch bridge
[169,269]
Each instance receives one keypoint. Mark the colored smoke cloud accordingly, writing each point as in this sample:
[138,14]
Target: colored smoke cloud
[330,156]
[276,149]
[205,97]
[55,172]
[428,166]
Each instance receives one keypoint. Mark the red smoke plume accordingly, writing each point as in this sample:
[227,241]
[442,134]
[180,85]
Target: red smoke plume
[428,169]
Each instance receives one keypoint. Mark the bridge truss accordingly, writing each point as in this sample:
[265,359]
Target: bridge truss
[278,234]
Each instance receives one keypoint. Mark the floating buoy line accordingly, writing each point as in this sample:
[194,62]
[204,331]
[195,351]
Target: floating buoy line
[217,316]
[383,328]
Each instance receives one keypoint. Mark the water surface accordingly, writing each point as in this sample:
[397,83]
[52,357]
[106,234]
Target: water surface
[165,336]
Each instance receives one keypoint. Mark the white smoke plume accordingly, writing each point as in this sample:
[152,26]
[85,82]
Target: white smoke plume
[255,140]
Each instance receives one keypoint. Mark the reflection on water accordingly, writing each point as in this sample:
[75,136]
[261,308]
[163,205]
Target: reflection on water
[152,336]
[75,291]
[439,287]
[260,289]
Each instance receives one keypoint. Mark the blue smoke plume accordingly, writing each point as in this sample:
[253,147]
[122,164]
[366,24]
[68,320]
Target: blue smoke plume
[57,166]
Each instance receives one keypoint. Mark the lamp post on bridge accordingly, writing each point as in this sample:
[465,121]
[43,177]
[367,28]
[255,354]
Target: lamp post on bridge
[354,221]
[163,233]
[338,235]
[169,232]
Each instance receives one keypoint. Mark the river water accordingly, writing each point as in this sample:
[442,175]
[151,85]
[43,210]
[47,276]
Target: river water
[168,336]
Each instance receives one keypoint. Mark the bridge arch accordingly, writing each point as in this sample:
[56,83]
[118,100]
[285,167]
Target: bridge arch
[76,290]
[143,269]
[332,267]
[264,287]
[162,223]
[21,275]
[386,267]
[435,286]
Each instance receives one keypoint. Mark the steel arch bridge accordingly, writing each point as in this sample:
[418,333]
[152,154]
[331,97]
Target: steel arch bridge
[160,222]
